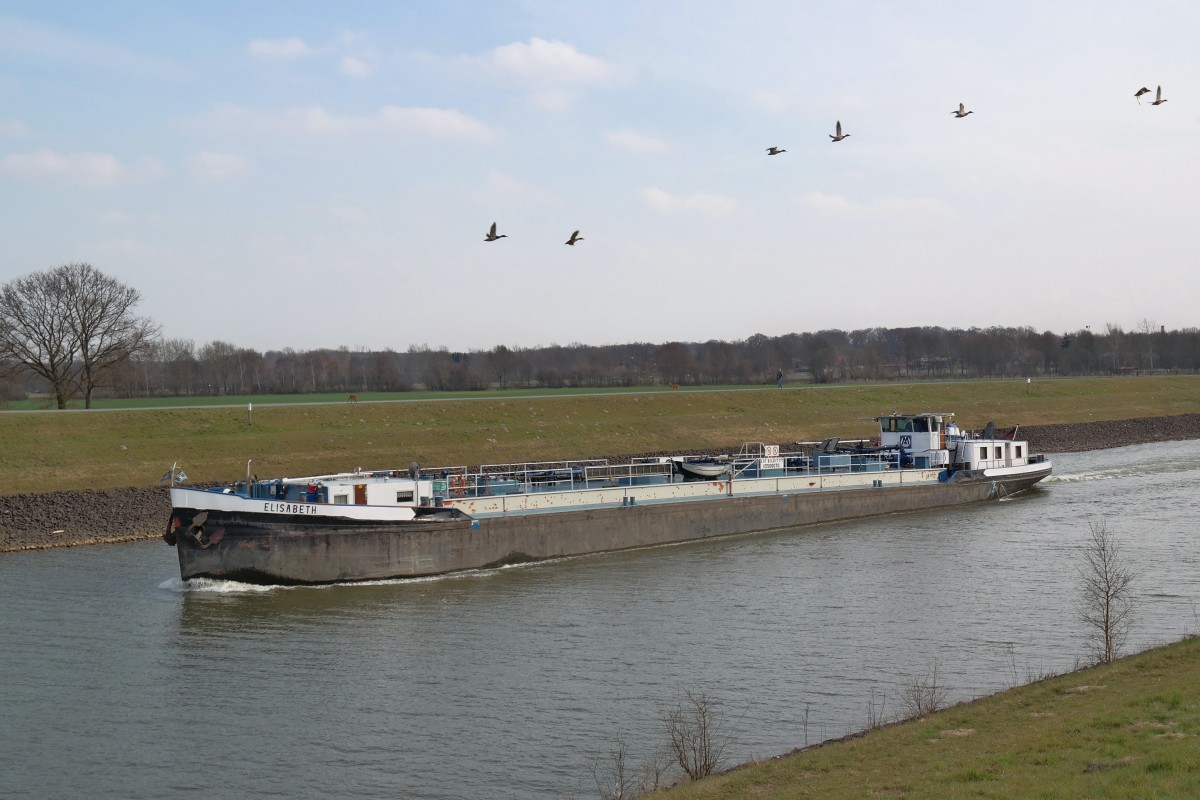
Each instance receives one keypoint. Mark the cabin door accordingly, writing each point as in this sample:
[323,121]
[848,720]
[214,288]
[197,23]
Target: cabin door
[360,494]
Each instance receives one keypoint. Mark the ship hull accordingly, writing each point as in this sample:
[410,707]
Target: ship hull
[307,549]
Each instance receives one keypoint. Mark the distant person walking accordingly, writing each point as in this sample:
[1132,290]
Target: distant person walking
[779,378]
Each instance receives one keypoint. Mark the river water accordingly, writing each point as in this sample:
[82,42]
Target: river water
[116,679]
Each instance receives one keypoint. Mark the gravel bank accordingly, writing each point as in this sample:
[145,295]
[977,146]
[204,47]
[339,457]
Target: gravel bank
[64,519]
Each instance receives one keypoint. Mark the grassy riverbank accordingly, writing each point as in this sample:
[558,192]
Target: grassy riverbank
[1126,729]
[48,451]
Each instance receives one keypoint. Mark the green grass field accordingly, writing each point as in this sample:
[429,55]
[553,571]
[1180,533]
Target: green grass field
[1124,730]
[109,404]
[51,450]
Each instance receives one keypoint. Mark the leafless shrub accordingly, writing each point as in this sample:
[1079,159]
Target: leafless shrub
[925,695]
[1035,676]
[875,713]
[614,781]
[1106,599]
[1011,652]
[655,769]
[694,731]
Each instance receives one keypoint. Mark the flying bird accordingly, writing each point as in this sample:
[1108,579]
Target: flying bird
[774,151]
[840,135]
[1158,98]
[493,236]
[962,111]
[575,237]
[1138,94]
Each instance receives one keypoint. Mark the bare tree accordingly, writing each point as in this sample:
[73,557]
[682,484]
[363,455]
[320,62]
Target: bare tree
[694,729]
[613,777]
[1146,328]
[70,325]
[655,769]
[1115,338]
[924,695]
[220,365]
[100,314]
[1106,599]
[502,363]
[875,714]
[35,331]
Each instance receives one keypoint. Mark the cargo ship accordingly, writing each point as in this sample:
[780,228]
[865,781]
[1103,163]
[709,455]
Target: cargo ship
[414,522]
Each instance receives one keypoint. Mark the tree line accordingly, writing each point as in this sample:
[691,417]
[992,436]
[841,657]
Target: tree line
[71,331]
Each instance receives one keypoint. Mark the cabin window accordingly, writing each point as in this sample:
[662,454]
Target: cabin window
[1017,451]
[983,454]
[921,425]
[404,497]
[341,499]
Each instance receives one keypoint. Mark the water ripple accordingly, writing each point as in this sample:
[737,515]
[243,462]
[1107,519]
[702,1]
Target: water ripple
[122,680]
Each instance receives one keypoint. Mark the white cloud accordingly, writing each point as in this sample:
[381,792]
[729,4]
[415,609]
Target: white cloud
[20,37]
[769,101]
[831,203]
[89,169]
[704,202]
[552,100]
[437,122]
[316,121]
[117,218]
[353,213]
[278,49]
[505,191]
[633,142]
[14,128]
[127,248]
[211,166]
[555,63]
[834,204]
[355,67]
[114,217]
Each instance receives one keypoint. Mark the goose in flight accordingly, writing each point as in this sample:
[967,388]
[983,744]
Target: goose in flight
[1138,94]
[962,111]
[493,236]
[575,237]
[1158,98]
[774,151]
[840,135]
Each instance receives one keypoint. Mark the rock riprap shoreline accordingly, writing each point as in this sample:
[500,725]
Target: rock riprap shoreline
[63,519]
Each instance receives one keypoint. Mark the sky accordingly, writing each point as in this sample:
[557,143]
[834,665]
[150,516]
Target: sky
[309,175]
